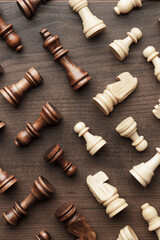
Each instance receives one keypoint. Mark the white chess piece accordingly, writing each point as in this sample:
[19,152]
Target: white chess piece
[125,6]
[156,110]
[127,233]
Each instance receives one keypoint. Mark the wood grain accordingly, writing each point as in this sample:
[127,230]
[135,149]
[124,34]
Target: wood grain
[118,157]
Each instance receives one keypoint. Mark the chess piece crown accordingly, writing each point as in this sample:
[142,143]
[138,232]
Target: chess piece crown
[156,110]
[6,180]
[125,6]
[127,233]
[43,235]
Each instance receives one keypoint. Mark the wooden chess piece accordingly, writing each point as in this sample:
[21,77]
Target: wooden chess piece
[145,171]
[120,48]
[40,190]
[55,155]
[156,110]
[127,233]
[106,194]
[48,116]
[152,56]
[6,180]
[150,214]
[1,70]
[43,235]
[14,93]
[77,77]
[76,224]
[2,125]
[93,143]
[128,128]
[12,39]
[91,24]
[115,93]
[126,6]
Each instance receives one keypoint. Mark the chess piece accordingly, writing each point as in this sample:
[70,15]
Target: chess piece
[28,7]
[6,180]
[145,171]
[150,214]
[126,6]
[115,93]
[48,116]
[91,24]
[128,128]
[40,190]
[14,93]
[2,125]
[93,143]
[12,39]
[55,155]
[151,55]
[127,233]
[76,224]
[156,110]
[106,194]
[77,77]
[1,70]
[43,235]
[120,48]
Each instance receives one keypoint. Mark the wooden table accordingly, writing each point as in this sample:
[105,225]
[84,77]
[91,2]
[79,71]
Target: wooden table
[118,157]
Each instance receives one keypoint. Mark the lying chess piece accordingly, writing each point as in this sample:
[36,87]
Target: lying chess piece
[127,233]
[48,116]
[12,39]
[6,180]
[120,48]
[145,171]
[2,125]
[106,194]
[150,214]
[55,155]
[43,235]
[115,93]
[126,6]
[77,77]
[41,189]
[76,224]
[1,70]
[93,143]
[14,93]
[91,24]
[151,55]
[128,128]
[156,110]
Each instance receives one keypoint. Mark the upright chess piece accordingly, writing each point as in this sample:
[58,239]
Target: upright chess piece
[12,39]
[93,143]
[76,224]
[77,77]
[48,116]
[6,180]
[43,235]
[156,110]
[115,93]
[150,214]
[55,155]
[151,55]
[120,48]
[128,128]
[41,189]
[2,125]
[14,93]
[145,171]
[127,233]
[106,194]
[126,6]
[91,24]
[1,70]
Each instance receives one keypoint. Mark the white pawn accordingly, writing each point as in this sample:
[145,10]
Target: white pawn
[125,6]
[145,171]
[127,233]
[151,55]
[91,24]
[93,143]
[150,214]
[120,48]
[156,110]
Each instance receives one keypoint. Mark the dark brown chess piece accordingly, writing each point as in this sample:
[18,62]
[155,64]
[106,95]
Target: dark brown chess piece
[76,224]
[12,39]
[15,92]
[40,190]
[2,125]
[55,155]
[76,76]
[48,116]
[43,235]
[6,180]
[1,70]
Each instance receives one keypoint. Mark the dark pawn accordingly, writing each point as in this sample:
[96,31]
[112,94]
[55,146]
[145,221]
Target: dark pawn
[6,180]
[76,224]
[48,116]
[76,76]
[41,189]
[2,125]
[12,39]
[1,70]
[14,93]
[43,235]
[55,155]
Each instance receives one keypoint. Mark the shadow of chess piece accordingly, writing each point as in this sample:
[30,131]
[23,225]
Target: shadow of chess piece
[6,180]
[2,125]
[1,70]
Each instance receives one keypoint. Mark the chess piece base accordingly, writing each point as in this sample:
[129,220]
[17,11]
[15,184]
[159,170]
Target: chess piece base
[97,147]
[95,30]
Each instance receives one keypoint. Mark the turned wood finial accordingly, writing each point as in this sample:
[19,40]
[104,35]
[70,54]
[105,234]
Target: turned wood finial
[2,125]
[6,180]
[126,6]
[43,235]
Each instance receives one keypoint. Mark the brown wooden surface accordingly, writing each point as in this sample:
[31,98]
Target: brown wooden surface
[118,157]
